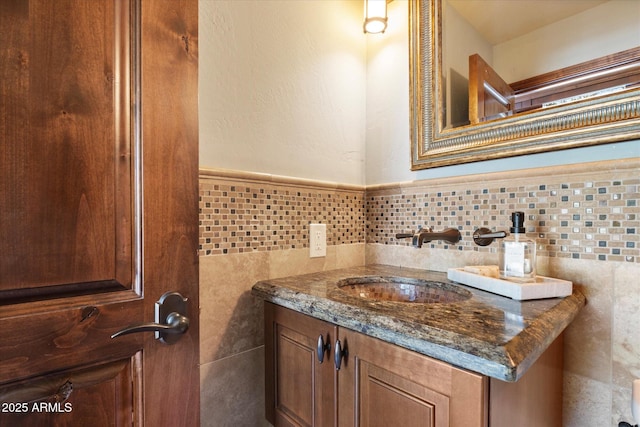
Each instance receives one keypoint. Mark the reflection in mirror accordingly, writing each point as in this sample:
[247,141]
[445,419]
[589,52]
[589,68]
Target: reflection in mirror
[489,81]
[502,49]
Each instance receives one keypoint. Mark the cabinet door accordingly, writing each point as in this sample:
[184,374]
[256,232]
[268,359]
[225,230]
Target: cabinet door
[300,389]
[382,385]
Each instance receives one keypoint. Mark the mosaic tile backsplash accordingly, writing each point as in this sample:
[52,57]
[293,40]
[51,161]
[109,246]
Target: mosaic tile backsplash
[237,217]
[587,220]
[588,212]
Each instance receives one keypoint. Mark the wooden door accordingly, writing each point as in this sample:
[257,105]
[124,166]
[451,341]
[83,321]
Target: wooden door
[300,389]
[382,385]
[98,210]
[490,97]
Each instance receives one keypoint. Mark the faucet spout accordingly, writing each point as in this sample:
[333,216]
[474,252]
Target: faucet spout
[450,235]
[425,235]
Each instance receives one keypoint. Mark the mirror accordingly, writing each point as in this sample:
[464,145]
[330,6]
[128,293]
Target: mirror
[446,128]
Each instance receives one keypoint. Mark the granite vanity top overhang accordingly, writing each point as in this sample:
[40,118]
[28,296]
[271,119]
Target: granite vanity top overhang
[487,333]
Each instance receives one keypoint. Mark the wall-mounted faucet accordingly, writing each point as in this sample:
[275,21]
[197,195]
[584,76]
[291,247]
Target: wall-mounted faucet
[425,235]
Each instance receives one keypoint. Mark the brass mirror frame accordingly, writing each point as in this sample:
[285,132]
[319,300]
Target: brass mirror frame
[603,120]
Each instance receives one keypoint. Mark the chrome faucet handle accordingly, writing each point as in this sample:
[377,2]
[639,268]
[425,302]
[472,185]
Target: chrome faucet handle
[484,236]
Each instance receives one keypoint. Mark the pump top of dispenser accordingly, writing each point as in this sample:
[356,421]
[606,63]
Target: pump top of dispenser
[517,218]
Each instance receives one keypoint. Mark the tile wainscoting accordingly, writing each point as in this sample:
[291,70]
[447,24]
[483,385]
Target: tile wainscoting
[586,219]
[255,227]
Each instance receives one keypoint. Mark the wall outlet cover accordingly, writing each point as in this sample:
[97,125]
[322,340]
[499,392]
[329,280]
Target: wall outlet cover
[317,240]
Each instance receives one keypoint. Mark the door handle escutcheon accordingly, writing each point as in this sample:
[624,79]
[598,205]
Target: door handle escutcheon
[171,320]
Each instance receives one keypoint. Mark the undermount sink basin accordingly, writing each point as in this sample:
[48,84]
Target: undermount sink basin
[403,289]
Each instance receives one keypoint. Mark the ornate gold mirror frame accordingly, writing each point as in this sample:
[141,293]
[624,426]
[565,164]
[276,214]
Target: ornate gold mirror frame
[602,120]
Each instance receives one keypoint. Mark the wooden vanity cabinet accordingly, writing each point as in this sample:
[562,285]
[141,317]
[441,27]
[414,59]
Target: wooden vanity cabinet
[300,391]
[381,384]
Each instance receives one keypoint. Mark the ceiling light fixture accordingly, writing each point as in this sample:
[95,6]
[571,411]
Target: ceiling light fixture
[375,16]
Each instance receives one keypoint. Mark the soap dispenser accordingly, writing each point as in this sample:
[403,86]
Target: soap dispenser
[518,252]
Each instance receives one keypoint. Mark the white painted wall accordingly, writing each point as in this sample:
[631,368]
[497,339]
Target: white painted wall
[295,88]
[282,88]
[611,27]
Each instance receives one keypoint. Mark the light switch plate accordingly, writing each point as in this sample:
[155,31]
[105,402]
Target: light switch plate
[317,240]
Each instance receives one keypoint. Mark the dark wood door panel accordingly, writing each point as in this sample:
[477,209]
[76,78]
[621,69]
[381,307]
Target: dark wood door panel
[58,340]
[91,93]
[62,399]
[66,164]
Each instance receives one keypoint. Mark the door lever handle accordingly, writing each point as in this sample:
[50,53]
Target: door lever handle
[176,324]
[171,320]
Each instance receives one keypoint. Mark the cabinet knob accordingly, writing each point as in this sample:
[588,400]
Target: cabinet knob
[338,355]
[322,347]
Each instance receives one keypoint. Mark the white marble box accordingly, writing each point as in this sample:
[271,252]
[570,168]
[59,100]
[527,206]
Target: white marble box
[543,287]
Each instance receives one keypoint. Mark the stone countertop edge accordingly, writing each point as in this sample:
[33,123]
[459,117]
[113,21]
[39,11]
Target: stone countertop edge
[506,360]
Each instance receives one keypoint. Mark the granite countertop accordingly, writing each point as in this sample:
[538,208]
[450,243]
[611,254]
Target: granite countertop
[485,333]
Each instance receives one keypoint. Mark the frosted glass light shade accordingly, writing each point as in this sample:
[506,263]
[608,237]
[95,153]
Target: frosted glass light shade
[375,16]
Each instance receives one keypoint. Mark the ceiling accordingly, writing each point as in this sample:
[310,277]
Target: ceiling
[502,20]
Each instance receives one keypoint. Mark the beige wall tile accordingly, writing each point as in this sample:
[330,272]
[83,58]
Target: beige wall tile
[427,258]
[350,255]
[588,338]
[232,391]
[621,410]
[296,261]
[586,402]
[230,317]
[626,324]
[381,254]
